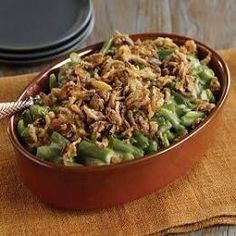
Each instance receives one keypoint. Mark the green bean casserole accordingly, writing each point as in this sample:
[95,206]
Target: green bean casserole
[129,99]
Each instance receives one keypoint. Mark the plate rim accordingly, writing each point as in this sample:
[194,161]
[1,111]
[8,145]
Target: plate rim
[55,43]
[50,57]
[40,53]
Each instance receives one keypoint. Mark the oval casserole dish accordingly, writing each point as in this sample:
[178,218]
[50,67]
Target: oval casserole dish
[104,186]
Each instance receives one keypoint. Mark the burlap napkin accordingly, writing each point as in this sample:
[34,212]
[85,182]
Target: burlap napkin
[204,197]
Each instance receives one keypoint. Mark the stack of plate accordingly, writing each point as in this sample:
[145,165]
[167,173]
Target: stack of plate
[35,31]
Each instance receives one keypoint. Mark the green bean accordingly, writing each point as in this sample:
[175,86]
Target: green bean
[74,58]
[132,140]
[181,109]
[164,125]
[204,95]
[163,53]
[152,147]
[22,130]
[207,95]
[38,111]
[202,71]
[71,163]
[128,156]
[55,108]
[196,65]
[141,140]
[140,66]
[53,81]
[61,78]
[174,120]
[27,117]
[170,106]
[107,45]
[21,127]
[206,74]
[58,160]
[90,149]
[180,99]
[123,147]
[191,117]
[25,136]
[161,121]
[58,138]
[170,135]
[49,152]
[164,140]
[210,95]
[93,162]
[197,90]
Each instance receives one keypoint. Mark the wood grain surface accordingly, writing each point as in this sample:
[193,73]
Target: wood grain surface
[210,21]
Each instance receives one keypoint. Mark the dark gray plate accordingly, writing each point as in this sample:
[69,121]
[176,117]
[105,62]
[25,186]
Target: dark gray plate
[37,54]
[33,25]
[52,56]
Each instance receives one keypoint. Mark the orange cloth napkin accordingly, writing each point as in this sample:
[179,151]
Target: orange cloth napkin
[204,197]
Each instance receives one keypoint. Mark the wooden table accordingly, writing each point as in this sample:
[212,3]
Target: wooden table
[210,21]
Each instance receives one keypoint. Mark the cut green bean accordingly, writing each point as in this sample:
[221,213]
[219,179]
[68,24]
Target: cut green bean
[152,147]
[55,108]
[206,74]
[128,156]
[142,141]
[74,58]
[164,125]
[38,111]
[93,162]
[210,96]
[164,140]
[49,152]
[23,131]
[204,95]
[123,147]
[140,66]
[196,65]
[174,120]
[71,163]
[90,149]
[197,90]
[58,160]
[181,109]
[61,78]
[107,45]
[180,99]
[58,138]
[191,117]
[170,106]
[53,81]
[27,117]
[170,135]
[163,53]
[21,127]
